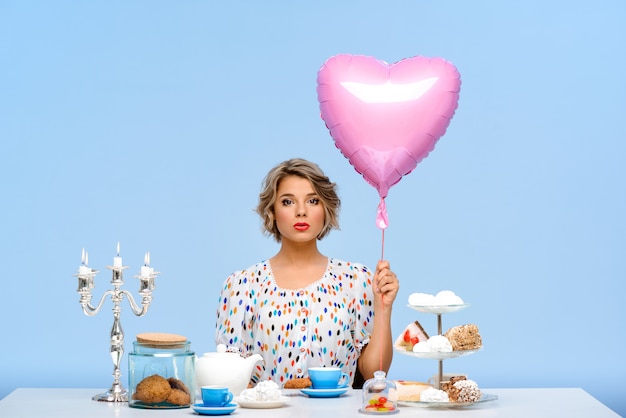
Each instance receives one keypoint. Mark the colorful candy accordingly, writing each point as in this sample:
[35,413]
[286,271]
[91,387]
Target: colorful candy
[380,404]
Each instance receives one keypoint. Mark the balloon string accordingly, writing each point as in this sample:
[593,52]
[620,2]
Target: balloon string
[380,359]
[382,250]
[382,297]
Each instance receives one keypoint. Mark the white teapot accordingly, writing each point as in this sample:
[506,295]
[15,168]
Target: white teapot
[222,368]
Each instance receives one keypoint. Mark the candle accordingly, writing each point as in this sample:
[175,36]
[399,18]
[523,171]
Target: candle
[83,269]
[146,270]
[117,260]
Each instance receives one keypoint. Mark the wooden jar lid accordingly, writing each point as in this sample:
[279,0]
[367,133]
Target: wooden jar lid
[160,339]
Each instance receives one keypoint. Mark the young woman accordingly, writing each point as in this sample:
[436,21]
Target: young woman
[300,308]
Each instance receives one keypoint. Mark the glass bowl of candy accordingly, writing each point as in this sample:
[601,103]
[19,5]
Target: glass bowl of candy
[379,395]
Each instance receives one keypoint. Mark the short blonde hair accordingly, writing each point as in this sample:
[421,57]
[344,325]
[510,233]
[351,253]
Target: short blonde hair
[324,188]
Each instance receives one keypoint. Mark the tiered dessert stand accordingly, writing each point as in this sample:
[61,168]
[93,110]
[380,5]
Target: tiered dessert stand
[440,357]
[439,310]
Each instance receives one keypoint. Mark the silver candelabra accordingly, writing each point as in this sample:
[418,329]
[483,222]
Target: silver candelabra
[86,275]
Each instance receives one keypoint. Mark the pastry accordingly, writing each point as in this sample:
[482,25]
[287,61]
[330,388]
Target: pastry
[410,391]
[464,337]
[434,395]
[264,391]
[443,298]
[461,389]
[412,335]
[435,344]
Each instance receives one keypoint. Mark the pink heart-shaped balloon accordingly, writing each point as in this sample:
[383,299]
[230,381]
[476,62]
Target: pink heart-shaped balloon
[386,118]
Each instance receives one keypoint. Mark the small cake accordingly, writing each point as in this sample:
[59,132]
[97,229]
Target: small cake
[421,299]
[434,395]
[412,335]
[442,298]
[410,391]
[461,389]
[464,337]
[447,297]
[438,344]
[264,391]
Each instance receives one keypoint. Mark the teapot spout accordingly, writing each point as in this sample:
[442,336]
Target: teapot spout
[253,359]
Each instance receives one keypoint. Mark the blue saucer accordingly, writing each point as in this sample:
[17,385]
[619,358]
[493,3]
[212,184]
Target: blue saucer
[324,393]
[214,410]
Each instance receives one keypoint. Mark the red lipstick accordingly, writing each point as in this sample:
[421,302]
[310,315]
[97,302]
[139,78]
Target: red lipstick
[301,226]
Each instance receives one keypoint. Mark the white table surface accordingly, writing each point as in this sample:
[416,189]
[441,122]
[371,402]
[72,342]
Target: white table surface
[511,403]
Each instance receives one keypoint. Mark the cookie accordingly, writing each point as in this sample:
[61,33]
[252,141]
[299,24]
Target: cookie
[153,389]
[298,383]
[178,384]
[179,397]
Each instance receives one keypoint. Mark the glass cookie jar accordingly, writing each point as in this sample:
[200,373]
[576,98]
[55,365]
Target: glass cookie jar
[161,371]
[379,395]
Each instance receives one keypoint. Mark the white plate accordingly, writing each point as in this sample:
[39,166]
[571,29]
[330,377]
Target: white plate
[441,309]
[246,403]
[324,393]
[486,397]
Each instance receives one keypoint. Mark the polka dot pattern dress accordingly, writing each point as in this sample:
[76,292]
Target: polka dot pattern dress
[324,324]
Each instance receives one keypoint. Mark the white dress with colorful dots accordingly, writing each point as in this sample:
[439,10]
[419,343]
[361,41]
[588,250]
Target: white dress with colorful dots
[324,324]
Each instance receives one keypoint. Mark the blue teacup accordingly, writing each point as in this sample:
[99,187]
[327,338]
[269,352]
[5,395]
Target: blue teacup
[328,378]
[215,395]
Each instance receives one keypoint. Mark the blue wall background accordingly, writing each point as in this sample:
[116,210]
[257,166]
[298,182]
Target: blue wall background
[152,123]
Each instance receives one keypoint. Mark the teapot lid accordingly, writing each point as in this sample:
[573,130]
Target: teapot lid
[222,350]
[230,352]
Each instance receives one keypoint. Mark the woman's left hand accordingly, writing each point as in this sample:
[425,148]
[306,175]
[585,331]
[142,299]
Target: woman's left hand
[386,284]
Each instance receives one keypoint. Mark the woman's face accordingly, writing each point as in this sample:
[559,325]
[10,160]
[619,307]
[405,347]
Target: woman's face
[298,210]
